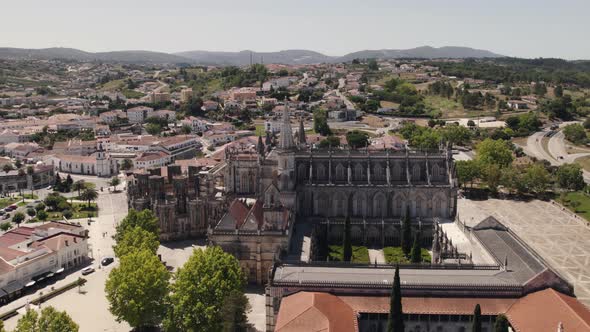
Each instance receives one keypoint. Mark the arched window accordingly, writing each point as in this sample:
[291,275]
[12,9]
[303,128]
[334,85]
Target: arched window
[320,172]
[378,172]
[358,172]
[416,172]
[340,173]
[397,172]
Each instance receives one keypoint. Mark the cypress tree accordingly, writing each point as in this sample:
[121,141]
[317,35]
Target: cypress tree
[476,327]
[346,244]
[501,324]
[395,320]
[406,236]
[416,254]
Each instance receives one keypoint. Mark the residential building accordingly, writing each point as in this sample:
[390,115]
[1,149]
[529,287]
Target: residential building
[186,95]
[139,114]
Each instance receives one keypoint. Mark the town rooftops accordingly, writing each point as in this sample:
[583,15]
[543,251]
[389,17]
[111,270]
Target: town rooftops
[539,311]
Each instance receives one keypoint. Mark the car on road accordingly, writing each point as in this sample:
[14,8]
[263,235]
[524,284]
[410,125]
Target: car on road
[106,261]
[8,209]
[6,216]
[87,270]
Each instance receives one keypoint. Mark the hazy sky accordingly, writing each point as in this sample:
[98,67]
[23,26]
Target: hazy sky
[524,28]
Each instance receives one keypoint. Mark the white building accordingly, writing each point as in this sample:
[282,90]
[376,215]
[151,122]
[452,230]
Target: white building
[139,114]
[155,159]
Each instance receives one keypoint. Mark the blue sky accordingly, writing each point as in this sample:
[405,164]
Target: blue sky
[523,28]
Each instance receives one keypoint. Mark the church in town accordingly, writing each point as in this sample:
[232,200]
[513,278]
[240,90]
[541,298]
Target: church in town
[249,203]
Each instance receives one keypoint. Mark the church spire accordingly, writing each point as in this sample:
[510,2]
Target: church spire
[302,139]
[260,146]
[286,140]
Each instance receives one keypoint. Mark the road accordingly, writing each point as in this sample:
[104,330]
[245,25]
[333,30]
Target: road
[557,149]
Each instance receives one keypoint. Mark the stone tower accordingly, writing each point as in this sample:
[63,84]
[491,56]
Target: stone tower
[103,162]
[286,159]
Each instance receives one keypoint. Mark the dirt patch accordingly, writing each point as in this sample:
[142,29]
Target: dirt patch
[374,121]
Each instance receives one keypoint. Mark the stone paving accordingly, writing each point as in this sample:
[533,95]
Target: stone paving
[563,241]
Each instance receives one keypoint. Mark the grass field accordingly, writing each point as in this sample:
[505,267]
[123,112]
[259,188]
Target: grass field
[79,210]
[4,202]
[583,201]
[113,85]
[396,255]
[584,162]
[360,254]
[260,130]
[132,94]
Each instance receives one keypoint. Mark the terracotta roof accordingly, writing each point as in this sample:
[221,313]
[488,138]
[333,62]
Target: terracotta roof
[238,210]
[15,236]
[309,311]
[60,225]
[5,267]
[9,254]
[57,241]
[544,310]
[430,305]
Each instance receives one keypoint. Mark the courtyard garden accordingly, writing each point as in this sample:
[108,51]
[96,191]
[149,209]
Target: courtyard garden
[395,255]
[576,201]
[360,254]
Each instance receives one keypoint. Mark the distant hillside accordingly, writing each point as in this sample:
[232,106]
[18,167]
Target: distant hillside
[244,57]
[424,52]
[239,58]
[78,55]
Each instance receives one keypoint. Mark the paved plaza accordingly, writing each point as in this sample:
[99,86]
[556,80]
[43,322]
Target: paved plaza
[563,241]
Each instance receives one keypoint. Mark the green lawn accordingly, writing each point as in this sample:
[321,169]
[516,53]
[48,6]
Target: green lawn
[260,130]
[583,209]
[80,211]
[31,196]
[395,255]
[4,202]
[360,254]
[132,94]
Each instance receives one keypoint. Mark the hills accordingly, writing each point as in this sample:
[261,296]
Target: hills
[239,58]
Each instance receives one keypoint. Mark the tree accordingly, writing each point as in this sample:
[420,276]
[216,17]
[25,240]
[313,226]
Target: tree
[201,287]
[137,289]
[575,133]
[476,324]
[558,91]
[67,213]
[42,215]
[18,163]
[153,129]
[467,171]
[372,65]
[2,329]
[395,320]
[79,186]
[186,129]
[49,320]
[346,242]
[497,152]
[145,220]
[136,239]
[456,134]
[5,226]
[570,176]
[7,168]
[320,122]
[126,164]
[18,218]
[69,183]
[89,195]
[330,141]
[31,212]
[406,236]
[492,174]
[357,139]
[234,311]
[501,324]
[416,253]
[115,181]
[537,178]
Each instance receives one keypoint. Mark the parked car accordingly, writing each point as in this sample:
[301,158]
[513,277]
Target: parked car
[6,216]
[2,212]
[106,261]
[87,270]
[13,206]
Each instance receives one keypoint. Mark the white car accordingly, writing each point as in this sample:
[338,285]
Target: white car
[87,270]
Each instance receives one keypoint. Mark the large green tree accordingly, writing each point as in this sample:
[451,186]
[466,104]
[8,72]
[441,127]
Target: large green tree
[137,289]
[416,253]
[144,219]
[497,152]
[467,171]
[136,239]
[89,195]
[320,122]
[570,176]
[537,178]
[395,320]
[233,312]
[357,139]
[49,320]
[115,181]
[575,133]
[202,285]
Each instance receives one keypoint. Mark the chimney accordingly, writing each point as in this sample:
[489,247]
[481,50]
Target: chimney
[75,240]
[67,244]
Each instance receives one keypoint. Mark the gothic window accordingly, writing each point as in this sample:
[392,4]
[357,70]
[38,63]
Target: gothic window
[397,172]
[419,206]
[321,172]
[302,171]
[358,172]
[378,172]
[416,172]
[340,172]
[379,207]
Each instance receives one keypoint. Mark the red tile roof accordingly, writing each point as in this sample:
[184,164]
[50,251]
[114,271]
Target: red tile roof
[309,311]
[238,210]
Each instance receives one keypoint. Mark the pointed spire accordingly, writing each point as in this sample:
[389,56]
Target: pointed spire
[302,139]
[286,140]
